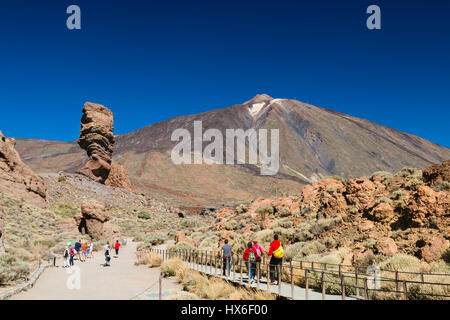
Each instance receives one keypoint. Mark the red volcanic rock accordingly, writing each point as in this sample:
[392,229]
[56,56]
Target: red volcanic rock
[386,246]
[325,198]
[17,178]
[432,248]
[360,192]
[95,222]
[437,173]
[96,137]
[365,226]
[423,204]
[382,212]
[118,177]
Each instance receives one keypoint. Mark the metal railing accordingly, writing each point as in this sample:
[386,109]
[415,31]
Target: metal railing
[327,278]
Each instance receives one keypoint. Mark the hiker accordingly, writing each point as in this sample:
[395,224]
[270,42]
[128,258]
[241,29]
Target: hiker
[276,253]
[72,253]
[227,252]
[66,258]
[258,255]
[78,248]
[84,247]
[249,258]
[107,256]
[116,247]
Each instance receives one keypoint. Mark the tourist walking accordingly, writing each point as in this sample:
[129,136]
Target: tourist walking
[72,253]
[107,256]
[91,250]
[276,253]
[84,248]
[116,247]
[249,258]
[66,257]
[258,255]
[78,249]
[227,252]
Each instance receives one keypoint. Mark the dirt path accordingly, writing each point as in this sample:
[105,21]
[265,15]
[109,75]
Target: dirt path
[122,281]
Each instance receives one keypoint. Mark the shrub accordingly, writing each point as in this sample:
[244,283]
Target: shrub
[338,178]
[384,175]
[151,258]
[383,199]
[11,268]
[398,194]
[264,211]
[65,210]
[283,223]
[154,238]
[284,212]
[62,179]
[143,215]
[241,209]
[409,172]
[353,209]
[230,225]
[414,182]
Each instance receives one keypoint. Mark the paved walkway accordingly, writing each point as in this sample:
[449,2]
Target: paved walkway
[121,281]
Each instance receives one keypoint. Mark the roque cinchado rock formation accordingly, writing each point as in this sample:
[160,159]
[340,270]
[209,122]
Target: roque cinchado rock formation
[97,138]
[17,178]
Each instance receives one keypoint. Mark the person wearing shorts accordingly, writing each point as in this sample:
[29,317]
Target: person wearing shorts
[84,247]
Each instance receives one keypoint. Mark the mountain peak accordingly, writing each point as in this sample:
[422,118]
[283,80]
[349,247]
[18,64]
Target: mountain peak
[259,98]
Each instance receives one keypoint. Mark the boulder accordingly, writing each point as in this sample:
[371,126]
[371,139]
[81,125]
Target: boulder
[424,205]
[437,173]
[95,222]
[17,178]
[365,226]
[381,212]
[431,248]
[118,177]
[386,246]
[360,192]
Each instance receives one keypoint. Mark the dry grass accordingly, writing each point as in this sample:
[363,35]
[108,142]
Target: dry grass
[209,288]
[148,258]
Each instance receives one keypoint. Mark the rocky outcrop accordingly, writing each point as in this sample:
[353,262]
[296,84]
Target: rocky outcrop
[431,248]
[97,139]
[386,246]
[437,173]
[17,178]
[94,221]
[118,177]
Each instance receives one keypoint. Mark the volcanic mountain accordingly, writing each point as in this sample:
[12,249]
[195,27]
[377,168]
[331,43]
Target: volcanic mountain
[314,142]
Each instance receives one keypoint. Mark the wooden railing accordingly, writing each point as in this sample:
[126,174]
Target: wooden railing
[327,278]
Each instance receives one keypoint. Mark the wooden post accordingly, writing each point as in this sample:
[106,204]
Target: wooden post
[301,264]
[215,265]
[366,289]
[234,269]
[342,287]
[312,265]
[339,270]
[306,284]
[240,271]
[257,273]
[323,286]
[396,281]
[356,282]
[422,277]
[405,290]
[268,277]
[249,267]
[292,279]
[279,279]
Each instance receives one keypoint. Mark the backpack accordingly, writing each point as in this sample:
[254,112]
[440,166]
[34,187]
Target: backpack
[251,256]
[258,251]
[279,252]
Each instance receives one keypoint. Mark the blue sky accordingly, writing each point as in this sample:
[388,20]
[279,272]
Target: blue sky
[152,60]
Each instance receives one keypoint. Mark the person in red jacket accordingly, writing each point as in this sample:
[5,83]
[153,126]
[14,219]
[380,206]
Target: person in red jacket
[274,262]
[116,247]
[249,253]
